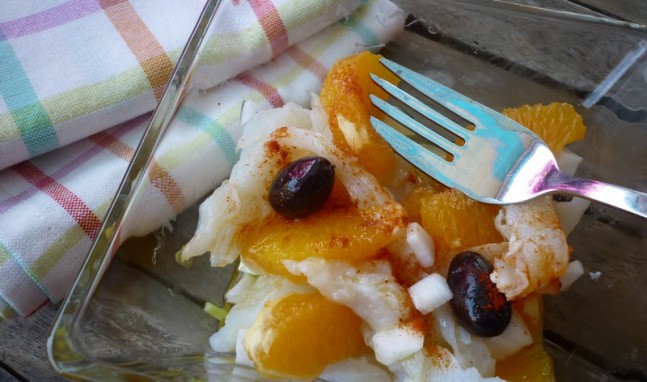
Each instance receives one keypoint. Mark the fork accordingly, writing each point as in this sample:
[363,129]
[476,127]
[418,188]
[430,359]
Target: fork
[498,161]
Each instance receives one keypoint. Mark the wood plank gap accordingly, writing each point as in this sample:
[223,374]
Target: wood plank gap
[11,371]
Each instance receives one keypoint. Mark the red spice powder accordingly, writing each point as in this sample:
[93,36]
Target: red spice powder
[496,299]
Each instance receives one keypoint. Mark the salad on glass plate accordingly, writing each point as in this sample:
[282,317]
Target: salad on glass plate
[326,255]
[353,264]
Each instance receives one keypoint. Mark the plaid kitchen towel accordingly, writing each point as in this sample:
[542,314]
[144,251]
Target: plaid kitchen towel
[93,83]
[72,68]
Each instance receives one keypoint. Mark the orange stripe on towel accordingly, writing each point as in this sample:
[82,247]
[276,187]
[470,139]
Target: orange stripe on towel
[308,62]
[270,19]
[114,145]
[164,182]
[152,58]
[157,67]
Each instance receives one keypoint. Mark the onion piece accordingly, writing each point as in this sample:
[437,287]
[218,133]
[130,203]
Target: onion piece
[421,244]
[242,287]
[570,213]
[242,358]
[430,293]
[397,343]
[568,161]
[573,272]
[515,337]
[470,351]
[356,370]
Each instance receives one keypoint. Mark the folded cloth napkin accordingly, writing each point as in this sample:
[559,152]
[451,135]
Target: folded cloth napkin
[90,72]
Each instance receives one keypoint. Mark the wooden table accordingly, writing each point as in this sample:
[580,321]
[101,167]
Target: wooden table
[23,354]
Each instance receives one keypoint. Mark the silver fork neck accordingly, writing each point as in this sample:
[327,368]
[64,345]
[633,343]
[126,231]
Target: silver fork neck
[629,200]
[528,176]
[536,173]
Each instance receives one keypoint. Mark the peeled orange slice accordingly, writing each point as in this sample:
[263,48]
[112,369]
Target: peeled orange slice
[298,335]
[413,201]
[557,124]
[339,233]
[456,222]
[345,97]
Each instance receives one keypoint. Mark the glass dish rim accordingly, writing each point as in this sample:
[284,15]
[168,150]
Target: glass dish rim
[62,355]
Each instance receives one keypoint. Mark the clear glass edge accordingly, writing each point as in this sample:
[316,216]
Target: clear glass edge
[60,346]
[61,351]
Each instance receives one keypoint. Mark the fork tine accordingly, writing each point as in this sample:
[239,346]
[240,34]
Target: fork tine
[448,98]
[420,157]
[410,123]
[421,108]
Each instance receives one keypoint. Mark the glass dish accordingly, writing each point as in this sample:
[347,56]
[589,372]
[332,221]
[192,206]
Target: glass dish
[135,313]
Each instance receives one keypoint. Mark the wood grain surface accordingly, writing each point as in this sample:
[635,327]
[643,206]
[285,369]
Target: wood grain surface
[23,354]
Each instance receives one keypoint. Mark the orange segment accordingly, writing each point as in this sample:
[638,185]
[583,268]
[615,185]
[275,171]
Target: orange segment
[557,124]
[456,222]
[345,94]
[413,201]
[531,363]
[298,335]
[340,232]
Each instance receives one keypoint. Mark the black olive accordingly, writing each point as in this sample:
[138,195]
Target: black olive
[302,187]
[477,303]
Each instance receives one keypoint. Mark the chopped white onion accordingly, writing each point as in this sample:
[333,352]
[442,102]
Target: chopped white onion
[421,244]
[570,213]
[241,354]
[245,266]
[238,292]
[514,338]
[573,272]
[470,351]
[430,293]
[568,162]
[392,345]
[319,118]
[356,370]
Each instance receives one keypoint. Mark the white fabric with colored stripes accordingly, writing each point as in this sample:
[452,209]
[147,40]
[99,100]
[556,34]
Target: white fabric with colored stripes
[52,204]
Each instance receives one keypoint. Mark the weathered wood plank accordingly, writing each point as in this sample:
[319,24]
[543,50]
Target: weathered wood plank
[23,347]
